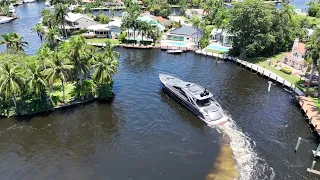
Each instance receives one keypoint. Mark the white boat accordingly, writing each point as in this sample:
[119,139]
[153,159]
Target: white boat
[47,3]
[11,9]
[195,98]
[174,51]
[5,19]
[29,1]
[19,2]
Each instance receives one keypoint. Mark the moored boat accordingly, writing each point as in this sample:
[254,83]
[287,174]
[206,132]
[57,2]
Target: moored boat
[29,1]
[174,51]
[195,98]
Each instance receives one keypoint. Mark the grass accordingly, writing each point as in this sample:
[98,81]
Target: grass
[214,51]
[262,61]
[311,20]
[57,91]
[103,40]
[316,102]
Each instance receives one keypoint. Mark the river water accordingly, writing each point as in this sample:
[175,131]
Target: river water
[145,134]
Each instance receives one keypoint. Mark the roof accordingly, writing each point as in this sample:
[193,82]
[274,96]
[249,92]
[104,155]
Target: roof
[160,19]
[301,48]
[187,30]
[98,27]
[115,23]
[152,20]
[72,17]
[198,11]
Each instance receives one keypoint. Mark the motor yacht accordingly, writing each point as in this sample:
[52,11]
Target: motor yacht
[195,98]
[174,51]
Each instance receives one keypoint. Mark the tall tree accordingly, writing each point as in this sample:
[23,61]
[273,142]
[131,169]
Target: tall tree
[196,24]
[35,80]
[61,12]
[51,38]
[6,39]
[18,43]
[250,23]
[58,67]
[11,81]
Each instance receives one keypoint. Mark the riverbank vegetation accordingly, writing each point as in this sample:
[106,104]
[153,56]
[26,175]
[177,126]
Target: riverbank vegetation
[73,72]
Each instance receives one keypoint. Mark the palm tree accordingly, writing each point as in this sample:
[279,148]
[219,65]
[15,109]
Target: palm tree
[43,54]
[313,53]
[154,34]
[11,81]
[51,37]
[196,23]
[18,43]
[4,3]
[112,13]
[77,55]
[39,29]
[143,27]
[61,12]
[36,81]
[7,40]
[105,65]
[58,67]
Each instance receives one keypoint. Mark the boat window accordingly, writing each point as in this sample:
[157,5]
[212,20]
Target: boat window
[204,102]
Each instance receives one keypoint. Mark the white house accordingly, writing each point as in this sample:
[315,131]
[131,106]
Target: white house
[79,21]
[98,31]
[295,58]
[221,36]
[185,33]
[115,28]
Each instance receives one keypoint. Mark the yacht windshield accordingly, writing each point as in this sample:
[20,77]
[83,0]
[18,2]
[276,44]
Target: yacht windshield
[204,102]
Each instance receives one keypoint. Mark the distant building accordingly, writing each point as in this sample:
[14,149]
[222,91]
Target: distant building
[221,36]
[79,21]
[99,31]
[185,33]
[115,28]
[295,58]
[194,12]
[153,21]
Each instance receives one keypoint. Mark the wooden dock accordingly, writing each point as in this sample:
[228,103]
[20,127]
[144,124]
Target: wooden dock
[117,8]
[311,112]
[258,69]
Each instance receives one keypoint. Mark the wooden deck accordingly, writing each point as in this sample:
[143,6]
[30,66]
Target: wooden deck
[311,112]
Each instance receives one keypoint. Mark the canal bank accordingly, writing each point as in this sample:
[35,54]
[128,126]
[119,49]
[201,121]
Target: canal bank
[144,134]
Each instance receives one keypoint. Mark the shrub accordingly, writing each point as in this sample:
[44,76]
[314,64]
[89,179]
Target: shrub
[104,91]
[122,37]
[286,70]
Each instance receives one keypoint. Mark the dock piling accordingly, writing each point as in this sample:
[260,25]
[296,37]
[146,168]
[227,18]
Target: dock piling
[312,166]
[297,145]
[269,87]
[317,150]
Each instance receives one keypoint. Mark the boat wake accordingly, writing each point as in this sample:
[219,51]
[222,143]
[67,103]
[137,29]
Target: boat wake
[248,164]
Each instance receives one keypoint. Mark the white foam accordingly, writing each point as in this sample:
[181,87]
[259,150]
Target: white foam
[249,165]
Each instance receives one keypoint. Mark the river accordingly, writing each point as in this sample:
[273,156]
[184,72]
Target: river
[144,134]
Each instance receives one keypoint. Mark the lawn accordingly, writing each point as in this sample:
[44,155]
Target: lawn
[103,40]
[57,91]
[262,61]
[311,20]
[214,51]
[316,102]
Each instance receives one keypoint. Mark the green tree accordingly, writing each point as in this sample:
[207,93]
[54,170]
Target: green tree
[58,67]
[43,54]
[39,29]
[11,81]
[196,24]
[61,12]
[251,25]
[18,43]
[52,37]
[35,80]
[6,39]
[112,13]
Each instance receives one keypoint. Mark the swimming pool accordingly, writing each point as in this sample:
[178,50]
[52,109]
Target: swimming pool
[218,47]
[176,43]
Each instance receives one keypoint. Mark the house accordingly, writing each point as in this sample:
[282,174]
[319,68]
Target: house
[194,12]
[114,3]
[115,28]
[185,33]
[295,58]
[79,21]
[98,31]
[154,23]
[221,36]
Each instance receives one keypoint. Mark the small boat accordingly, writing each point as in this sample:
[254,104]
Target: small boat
[29,1]
[19,2]
[47,3]
[5,19]
[174,51]
[11,9]
[195,98]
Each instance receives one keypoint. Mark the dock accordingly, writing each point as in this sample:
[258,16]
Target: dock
[311,112]
[257,69]
[117,8]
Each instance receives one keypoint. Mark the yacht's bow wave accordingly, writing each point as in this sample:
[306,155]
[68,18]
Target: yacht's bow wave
[249,165]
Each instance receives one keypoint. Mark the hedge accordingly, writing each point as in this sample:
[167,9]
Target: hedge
[286,70]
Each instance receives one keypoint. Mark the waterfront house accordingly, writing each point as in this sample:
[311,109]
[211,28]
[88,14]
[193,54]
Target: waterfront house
[79,21]
[185,33]
[153,21]
[194,12]
[115,28]
[295,58]
[98,31]
[221,36]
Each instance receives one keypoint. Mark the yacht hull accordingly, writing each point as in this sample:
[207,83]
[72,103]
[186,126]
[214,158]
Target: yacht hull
[188,105]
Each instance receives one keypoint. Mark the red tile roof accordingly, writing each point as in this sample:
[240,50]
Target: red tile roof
[159,18]
[301,48]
